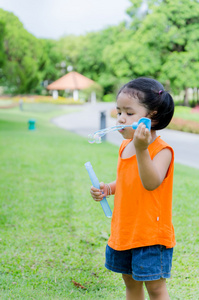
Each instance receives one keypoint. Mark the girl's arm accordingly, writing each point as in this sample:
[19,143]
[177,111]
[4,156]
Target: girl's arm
[98,194]
[152,172]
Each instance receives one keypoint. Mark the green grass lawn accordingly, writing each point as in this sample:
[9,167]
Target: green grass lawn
[53,233]
[186,113]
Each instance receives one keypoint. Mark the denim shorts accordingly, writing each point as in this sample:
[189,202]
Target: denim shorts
[144,263]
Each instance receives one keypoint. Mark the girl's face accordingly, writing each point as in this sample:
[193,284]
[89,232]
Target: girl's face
[129,110]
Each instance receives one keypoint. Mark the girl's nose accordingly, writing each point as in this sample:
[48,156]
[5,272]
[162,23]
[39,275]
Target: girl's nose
[121,119]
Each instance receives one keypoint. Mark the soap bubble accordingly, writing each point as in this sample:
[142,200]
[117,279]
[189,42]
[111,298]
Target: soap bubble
[97,139]
[91,139]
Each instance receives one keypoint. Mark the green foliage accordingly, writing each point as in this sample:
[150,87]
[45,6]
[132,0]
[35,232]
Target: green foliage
[48,61]
[181,65]
[85,54]
[68,48]
[28,60]
[165,45]
[23,52]
[2,51]
[160,41]
[96,88]
[109,98]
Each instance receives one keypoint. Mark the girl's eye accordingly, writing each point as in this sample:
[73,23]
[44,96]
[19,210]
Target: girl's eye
[129,114]
[119,114]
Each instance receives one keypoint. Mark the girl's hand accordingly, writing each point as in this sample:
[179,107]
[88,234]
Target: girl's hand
[142,137]
[99,194]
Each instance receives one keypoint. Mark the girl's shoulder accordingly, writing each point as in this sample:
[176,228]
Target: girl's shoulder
[159,145]
[123,145]
[155,147]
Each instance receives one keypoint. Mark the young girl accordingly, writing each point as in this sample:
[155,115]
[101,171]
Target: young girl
[142,235]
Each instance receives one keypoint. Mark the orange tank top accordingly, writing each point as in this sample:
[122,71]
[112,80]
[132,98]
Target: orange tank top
[141,217]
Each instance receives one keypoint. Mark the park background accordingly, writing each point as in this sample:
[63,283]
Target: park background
[52,235]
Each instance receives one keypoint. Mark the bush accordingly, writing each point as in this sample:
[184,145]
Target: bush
[184,125]
[109,98]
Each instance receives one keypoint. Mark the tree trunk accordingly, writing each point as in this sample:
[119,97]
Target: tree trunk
[186,98]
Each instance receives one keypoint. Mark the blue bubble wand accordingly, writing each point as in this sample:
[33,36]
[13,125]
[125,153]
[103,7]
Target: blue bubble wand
[96,137]
[96,184]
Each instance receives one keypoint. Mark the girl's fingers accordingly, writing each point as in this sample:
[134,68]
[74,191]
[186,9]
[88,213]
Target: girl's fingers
[142,137]
[98,198]
[93,189]
[147,133]
[99,194]
[142,131]
[96,194]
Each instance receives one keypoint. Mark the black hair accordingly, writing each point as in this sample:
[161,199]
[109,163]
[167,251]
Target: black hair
[152,95]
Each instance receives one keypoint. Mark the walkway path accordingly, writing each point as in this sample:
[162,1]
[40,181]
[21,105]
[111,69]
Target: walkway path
[87,120]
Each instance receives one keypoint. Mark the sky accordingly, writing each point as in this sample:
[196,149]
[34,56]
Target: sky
[56,18]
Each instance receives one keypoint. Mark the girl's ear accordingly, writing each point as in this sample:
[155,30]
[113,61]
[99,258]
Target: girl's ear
[151,116]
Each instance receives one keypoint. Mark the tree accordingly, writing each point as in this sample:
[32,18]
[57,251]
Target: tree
[161,41]
[85,54]
[181,66]
[49,61]
[170,33]
[22,55]
[2,51]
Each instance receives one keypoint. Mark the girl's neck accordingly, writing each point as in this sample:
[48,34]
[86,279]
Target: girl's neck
[129,150]
[153,135]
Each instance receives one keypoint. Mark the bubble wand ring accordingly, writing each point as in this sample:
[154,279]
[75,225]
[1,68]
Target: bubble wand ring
[96,137]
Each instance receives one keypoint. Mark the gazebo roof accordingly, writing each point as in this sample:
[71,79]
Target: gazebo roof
[71,81]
